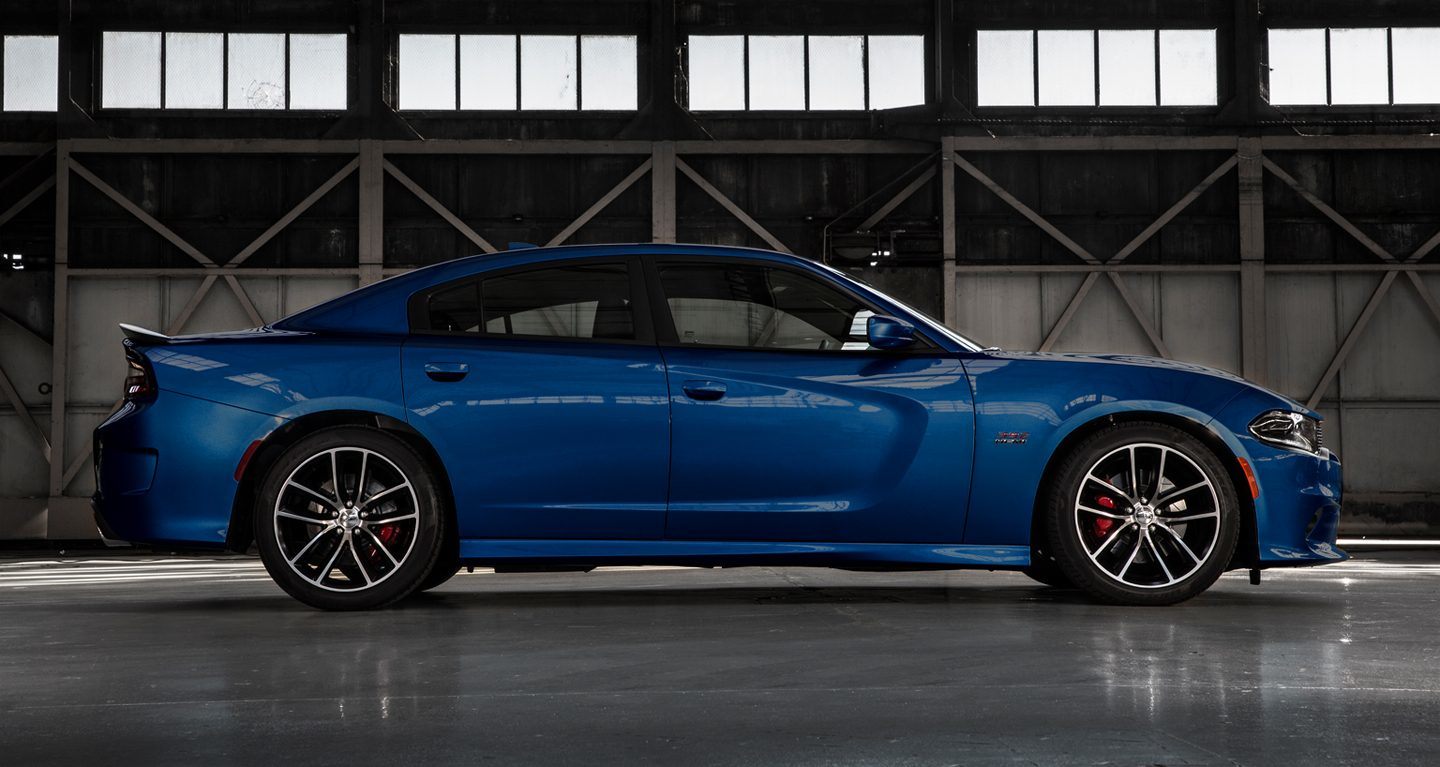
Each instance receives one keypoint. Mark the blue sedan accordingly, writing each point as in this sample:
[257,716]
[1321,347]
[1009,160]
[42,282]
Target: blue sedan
[569,408]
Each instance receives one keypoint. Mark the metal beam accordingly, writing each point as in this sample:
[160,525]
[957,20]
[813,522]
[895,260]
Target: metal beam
[1254,334]
[1150,331]
[1063,321]
[899,199]
[1093,143]
[729,205]
[245,302]
[295,212]
[1174,210]
[8,389]
[24,202]
[663,206]
[435,205]
[1024,210]
[1350,338]
[60,344]
[371,226]
[950,300]
[601,203]
[212,146]
[1329,212]
[138,212]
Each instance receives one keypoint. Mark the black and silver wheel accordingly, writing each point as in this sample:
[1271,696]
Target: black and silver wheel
[349,519]
[1143,514]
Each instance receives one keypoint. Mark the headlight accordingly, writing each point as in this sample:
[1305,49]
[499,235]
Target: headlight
[1281,427]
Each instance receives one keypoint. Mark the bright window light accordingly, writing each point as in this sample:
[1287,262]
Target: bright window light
[1127,67]
[487,72]
[194,70]
[1297,66]
[1188,67]
[837,72]
[31,73]
[1067,67]
[130,70]
[897,70]
[1359,66]
[1415,52]
[317,72]
[427,72]
[777,72]
[547,72]
[1005,67]
[608,71]
[716,72]
[256,78]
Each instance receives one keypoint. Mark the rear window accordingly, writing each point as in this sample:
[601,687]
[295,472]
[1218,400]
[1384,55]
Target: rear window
[584,301]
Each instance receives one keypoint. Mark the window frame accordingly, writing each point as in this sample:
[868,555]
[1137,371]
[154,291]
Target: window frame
[667,337]
[21,113]
[642,84]
[927,48]
[287,31]
[418,308]
[1389,107]
[1224,92]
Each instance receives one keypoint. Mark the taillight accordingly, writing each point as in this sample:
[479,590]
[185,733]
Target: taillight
[139,381]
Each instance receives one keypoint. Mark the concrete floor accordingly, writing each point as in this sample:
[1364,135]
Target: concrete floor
[206,662]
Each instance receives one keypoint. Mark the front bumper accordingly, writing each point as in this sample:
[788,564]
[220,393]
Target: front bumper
[165,469]
[1297,516]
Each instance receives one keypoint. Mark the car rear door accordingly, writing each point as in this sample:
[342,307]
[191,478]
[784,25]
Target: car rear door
[543,391]
[786,425]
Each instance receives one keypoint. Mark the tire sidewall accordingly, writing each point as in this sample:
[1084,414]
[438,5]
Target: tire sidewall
[1064,540]
[429,533]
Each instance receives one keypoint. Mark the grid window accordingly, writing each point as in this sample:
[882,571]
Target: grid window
[798,72]
[1087,67]
[31,67]
[1354,66]
[213,70]
[550,72]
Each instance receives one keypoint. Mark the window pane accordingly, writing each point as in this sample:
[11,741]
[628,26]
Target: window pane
[317,72]
[1416,54]
[897,71]
[456,310]
[837,72]
[717,72]
[1359,67]
[777,72]
[257,72]
[1005,68]
[583,301]
[1297,66]
[1188,75]
[1127,67]
[130,70]
[1067,67]
[487,72]
[759,307]
[194,70]
[427,72]
[608,71]
[31,73]
[547,72]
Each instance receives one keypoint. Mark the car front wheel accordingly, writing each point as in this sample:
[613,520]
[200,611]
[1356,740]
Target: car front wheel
[1142,514]
[349,519]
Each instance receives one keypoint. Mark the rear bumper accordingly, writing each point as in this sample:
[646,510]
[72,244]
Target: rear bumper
[165,469]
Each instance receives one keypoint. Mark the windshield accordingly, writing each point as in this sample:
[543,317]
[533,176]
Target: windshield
[930,322]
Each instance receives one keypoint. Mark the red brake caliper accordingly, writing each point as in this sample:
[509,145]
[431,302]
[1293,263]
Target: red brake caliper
[1104,524]
[387,535]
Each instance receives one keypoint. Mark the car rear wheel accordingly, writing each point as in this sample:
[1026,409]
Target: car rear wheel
[349,519]
[1142,514]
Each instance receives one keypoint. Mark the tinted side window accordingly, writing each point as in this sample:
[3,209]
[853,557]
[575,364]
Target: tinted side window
[570,301]
[761,307]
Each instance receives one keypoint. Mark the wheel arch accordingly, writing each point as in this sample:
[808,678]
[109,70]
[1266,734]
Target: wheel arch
[240,534]
[1246,551]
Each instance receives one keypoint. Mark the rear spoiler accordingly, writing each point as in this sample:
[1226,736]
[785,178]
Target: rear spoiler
[144,336]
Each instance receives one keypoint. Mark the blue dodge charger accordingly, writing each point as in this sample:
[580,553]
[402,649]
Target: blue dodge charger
[568,408]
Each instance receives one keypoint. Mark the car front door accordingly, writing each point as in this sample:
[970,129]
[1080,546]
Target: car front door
[787,426]
[543,392]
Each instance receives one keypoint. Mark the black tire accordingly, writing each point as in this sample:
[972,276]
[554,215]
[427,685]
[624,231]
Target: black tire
[339,526]
[1161,539]
[445,568]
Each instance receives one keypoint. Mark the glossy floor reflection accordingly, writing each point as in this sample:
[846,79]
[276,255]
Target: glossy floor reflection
[205,662]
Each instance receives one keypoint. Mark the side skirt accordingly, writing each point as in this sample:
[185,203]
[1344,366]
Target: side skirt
[877,556]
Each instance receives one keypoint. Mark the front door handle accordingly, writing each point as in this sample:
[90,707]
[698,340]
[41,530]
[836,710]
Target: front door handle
[446,372]
[705,391]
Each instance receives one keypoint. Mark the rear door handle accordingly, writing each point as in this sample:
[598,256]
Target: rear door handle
[446,372]
[705,391]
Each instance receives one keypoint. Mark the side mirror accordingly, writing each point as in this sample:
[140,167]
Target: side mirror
[889,332]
